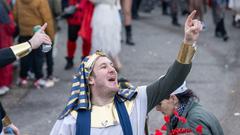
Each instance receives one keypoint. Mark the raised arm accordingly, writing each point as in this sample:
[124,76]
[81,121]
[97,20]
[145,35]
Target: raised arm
[177,73]
[8,55]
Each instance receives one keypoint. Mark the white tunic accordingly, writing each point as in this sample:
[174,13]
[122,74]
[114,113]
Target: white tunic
[106,28]
[67,126]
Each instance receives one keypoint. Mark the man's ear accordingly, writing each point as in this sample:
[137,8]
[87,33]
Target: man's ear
[91,80]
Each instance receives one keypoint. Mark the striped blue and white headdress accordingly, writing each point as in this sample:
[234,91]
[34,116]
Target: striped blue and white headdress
[80,91]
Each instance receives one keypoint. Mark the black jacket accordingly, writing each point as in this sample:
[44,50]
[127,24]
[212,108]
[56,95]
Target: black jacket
[6,57]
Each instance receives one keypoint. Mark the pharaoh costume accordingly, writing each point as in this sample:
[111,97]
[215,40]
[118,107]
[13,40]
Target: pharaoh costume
[127,112]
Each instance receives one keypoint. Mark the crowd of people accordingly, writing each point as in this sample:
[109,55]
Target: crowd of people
[84,20]
[218,7]
[99,24]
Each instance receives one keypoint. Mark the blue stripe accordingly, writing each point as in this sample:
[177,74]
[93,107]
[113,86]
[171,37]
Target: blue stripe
[123,92]
[82,105]
[75,80]
[86,74]
[73,96]
[83,89]
[69,107]
[123,117]
[75,88]
[83,97]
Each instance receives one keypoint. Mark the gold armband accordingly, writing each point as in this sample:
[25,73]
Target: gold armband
[22,49]
[6,121]
[186,53]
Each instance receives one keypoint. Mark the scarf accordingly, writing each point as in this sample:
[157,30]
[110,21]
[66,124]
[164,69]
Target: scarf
[174,119]
[84,119]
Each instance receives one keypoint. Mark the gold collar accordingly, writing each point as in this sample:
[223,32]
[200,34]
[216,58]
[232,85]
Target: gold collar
[105,116]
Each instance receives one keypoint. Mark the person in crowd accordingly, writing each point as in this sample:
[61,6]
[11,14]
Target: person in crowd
[174,6]
[218,12]
[184,6]
[35,12]
[126,7]
[9,55]
[199,6]
[56,10]
[135,8]
[235,6]
[95,93]
[186,114]
[7,29]
[165,6]
[106,29]
[74,25]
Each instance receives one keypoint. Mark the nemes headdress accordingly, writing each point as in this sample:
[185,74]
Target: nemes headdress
[80,91]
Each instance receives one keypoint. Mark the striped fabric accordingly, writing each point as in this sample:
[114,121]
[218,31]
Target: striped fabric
[80,91]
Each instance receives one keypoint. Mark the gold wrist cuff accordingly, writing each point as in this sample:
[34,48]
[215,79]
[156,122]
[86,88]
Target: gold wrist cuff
[186,53]
[22,49]
[6,121]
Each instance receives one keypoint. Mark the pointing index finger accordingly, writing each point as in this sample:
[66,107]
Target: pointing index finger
[190,17]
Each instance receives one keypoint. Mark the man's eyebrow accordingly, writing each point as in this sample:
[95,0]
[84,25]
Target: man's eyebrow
[102,64]
[105,63]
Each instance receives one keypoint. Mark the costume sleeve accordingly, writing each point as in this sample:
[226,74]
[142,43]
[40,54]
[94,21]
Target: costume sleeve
[175,76]
[2,111]
[164,86]
[6,57]
[65,126]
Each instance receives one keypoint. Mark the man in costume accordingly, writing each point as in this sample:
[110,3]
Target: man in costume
[8,55]
[97,105]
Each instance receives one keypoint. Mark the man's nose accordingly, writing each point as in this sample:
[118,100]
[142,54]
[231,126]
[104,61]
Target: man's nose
[111,69]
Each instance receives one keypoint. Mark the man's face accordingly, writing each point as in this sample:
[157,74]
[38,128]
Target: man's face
[104,75]
[167,106]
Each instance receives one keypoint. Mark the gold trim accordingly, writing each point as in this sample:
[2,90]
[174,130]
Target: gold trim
[106,115]
[186,53]
[21,50]
[6,121]
[74,114]
[108,111]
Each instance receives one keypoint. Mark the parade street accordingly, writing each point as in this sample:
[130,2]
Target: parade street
[215,74]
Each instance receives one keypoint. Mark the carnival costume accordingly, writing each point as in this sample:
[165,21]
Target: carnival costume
[126,114]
